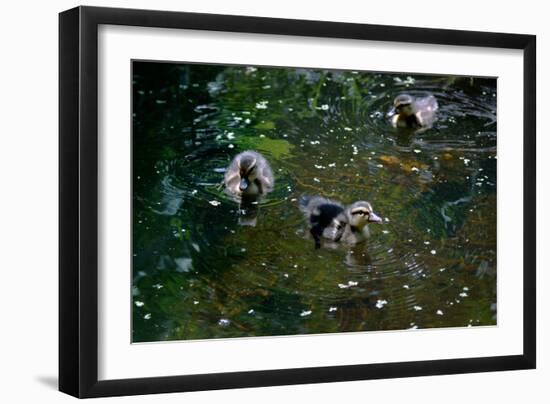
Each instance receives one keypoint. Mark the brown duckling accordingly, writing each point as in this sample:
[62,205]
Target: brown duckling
[249,175]
[413,113]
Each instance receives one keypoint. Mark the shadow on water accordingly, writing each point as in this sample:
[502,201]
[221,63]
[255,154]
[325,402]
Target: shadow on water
[206,267]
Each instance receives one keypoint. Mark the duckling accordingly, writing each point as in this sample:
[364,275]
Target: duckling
[327,219]
[413,113]
[330,220]
[359,214]
[249,175]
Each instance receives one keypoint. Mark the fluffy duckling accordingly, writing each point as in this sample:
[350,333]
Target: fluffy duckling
[330,220]
[249,175]
[413,113]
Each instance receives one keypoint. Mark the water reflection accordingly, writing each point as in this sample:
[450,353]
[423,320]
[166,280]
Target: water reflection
[205,266]
[248,211]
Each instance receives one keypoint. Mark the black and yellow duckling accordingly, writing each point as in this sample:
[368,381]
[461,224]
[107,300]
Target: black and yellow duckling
[249,175]
[329,220]
[413,113]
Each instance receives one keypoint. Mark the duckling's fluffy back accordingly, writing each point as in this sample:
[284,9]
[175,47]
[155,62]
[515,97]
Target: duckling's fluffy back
[310,205]
[326,218]
[426,109]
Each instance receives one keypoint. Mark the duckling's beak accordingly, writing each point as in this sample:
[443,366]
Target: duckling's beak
[392,111]
[243,184]
[374,218]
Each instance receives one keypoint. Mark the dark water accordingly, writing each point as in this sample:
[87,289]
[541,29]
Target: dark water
[197,274]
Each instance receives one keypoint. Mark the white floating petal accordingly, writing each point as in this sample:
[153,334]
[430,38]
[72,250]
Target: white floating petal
[262,105]
[381,303]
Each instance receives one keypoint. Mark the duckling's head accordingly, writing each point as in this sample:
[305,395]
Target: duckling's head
[402,105]
[247,170]
[360,214]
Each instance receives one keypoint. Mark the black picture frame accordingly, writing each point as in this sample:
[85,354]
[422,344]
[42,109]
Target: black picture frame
[78,201]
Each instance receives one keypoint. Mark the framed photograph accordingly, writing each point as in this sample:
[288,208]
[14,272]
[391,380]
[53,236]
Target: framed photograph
[251,201]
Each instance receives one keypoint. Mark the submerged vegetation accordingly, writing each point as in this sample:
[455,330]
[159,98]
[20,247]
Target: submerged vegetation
[197,274]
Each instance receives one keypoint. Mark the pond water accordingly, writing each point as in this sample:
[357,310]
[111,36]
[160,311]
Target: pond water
[198,274]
